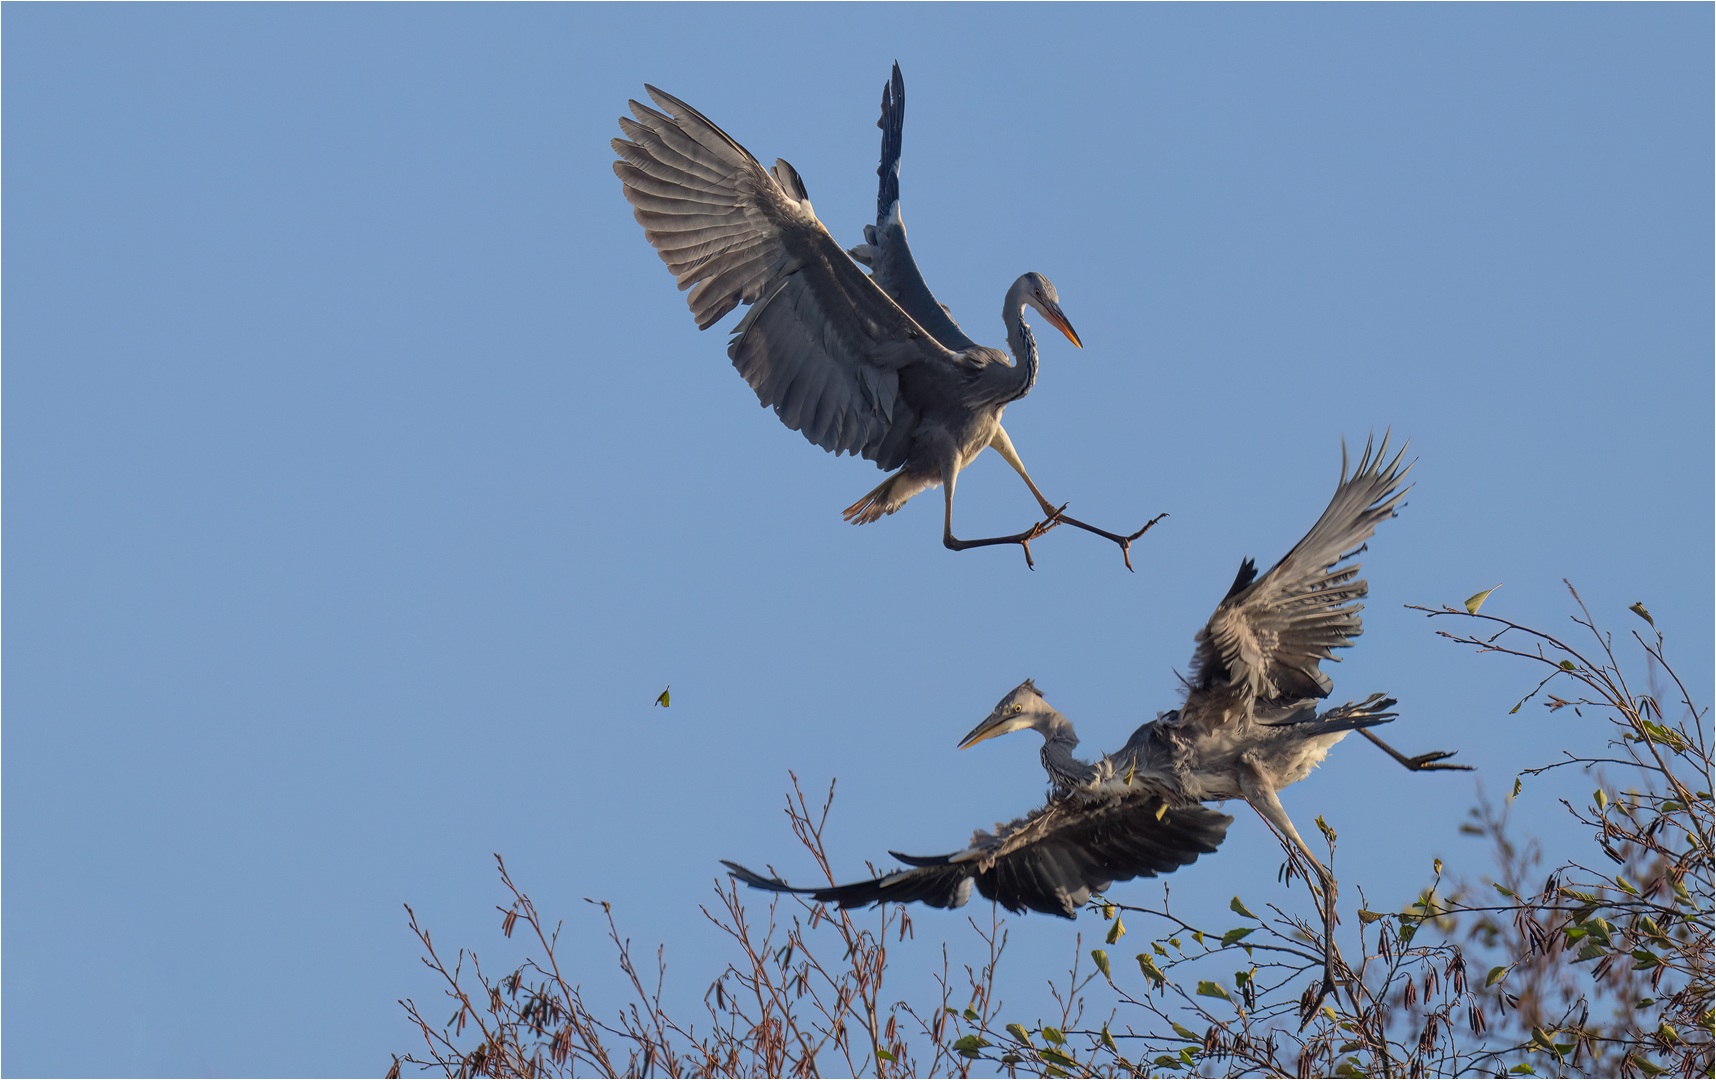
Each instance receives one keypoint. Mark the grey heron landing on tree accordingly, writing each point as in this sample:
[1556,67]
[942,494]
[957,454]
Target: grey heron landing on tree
[1249,725]
[839,360]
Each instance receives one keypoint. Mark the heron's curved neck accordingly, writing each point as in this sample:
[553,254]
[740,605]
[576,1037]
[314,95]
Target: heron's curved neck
[1021,341]
[1065,771]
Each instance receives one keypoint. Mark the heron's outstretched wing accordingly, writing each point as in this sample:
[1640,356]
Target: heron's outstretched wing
[1267,637]
[885,250]
[822,344]
[1050,862]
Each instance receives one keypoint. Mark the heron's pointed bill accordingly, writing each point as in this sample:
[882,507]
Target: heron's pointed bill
[996,723]
[1057,318]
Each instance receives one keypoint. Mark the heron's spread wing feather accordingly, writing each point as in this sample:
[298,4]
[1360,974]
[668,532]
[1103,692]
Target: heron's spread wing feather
[1267,638]
[885,249]
[822,344]
[1050,861]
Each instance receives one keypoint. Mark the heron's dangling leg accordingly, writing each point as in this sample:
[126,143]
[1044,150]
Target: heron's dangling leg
[1421,763]
[1004,446]
[1260,793]
[1023,539]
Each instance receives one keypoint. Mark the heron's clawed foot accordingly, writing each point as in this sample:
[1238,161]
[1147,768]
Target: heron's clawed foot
[1421,763]
[1037,530]
[1023,539]
[1125,542]
[1427,762]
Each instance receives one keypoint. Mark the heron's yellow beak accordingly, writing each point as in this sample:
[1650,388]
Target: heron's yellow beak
[1057,318]
[996,723]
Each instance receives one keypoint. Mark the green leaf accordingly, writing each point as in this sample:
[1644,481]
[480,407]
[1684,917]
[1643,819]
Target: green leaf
[1210,989]
[1568,665]
[1518,782]
[1116,932]
[1236,933]
[1639,610]
[1019,1033]
[1054,1035]
[1625,885]
[1175,942]
[1523,1069]
[1166,1062]
[1147,965]
[971,1014]
[1645,959]
[969,1045]
[1476,600]
[1516,708]
[1591,950]
[1649,1068]
[1186,1033]
[1058,1058]
[1157,946]
[1108,911]
[1239,908]
[1504,890]
[1494,976]
[1101,959]
[1602,799]
[663,700]
[1197,936]
[1368,917]
[884,1055]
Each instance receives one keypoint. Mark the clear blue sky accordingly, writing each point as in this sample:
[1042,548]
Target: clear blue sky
[366,478]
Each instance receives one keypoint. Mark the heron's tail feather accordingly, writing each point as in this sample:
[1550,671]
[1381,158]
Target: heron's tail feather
[885,498]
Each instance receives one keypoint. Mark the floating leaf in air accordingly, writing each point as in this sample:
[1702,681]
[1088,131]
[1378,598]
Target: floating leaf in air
[1639,610]
[663,700]
[1476,600]
[1236,906]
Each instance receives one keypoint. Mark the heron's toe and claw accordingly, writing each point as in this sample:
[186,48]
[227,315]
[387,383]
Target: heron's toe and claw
[1125,542]
[1023,539]
[1421,763]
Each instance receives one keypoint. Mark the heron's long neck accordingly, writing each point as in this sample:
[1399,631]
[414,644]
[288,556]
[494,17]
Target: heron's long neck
[1065,771]
[1022,342]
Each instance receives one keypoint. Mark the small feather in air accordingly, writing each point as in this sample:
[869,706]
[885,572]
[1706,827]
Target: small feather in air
[664,701]
[1639,610]
[1477,600]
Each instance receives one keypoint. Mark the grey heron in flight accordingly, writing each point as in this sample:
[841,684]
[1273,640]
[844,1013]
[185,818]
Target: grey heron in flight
[858,365]
[1248,727]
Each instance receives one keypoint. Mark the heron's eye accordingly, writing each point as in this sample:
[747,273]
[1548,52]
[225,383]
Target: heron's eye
[1018,708]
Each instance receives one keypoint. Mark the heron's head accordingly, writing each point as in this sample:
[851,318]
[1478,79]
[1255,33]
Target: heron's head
[1039,292]
[1023,708]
